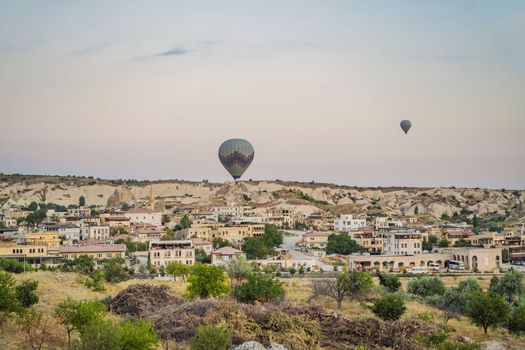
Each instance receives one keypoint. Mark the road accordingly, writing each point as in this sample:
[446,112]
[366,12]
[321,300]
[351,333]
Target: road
[289,242]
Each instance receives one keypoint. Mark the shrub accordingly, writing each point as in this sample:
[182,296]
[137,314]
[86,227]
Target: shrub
[14,266]
[516,321]
[510,286]
[211,337]
[74,315]
[137,335]
[8,299]
[35,328]
[389,307]
[115,271]
[99,335]
[426,286]
[259,288]
[25,293]
[390,282]
[95,281]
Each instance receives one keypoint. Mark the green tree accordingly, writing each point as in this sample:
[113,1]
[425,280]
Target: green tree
[429,243]
[95,281]
[25,293]
[505,255]
[185,222]
[426,286]
[416,210]
[486,309]
[15,266]
[256,248]
[32,206]
[74,315]
[166,219]
[82,201]
[8,298]
[211,337]
[342,244]
[358,283]
[272,236]
[36,217]
[202,257]
[333,288]
[510,286]
[83,264]
[238,269]
[516,321]
[453,301]
[137,335]
[219,242]
[207,281]
[102,335]
[462,243]
[443,243]
[115,271]
[390,282]
[259,288]
[177,269]
[390,307]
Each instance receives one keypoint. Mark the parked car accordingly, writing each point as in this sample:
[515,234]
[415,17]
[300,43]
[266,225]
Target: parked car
[418,270]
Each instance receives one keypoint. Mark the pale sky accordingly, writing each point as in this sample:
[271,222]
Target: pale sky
[150,89]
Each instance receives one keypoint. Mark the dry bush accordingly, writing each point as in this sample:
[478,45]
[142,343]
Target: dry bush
[37,329]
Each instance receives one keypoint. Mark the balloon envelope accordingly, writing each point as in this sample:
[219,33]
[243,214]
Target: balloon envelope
[405,125]
[236,155]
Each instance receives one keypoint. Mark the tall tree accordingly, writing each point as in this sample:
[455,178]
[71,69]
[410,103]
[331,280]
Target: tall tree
[185,222]
[342,244]
[207,281]
[8,300]
[486,309]
[82,201]
[510,286]
[238,269]
[74,315]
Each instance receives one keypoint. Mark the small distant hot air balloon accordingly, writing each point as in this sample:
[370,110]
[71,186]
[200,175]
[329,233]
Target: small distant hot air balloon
[236,155]
[405,125]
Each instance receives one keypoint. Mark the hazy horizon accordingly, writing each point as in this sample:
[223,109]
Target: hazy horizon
[149,90]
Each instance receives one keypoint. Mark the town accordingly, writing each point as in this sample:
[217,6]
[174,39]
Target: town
[264,243]
[44,234]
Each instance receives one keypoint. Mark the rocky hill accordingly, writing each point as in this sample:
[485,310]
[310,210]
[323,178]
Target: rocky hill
[20,190]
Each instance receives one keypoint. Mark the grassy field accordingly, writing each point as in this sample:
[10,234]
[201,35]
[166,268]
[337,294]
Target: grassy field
[54,287]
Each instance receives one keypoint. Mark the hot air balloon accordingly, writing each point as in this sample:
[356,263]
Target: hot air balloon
[405,125]
[236,155]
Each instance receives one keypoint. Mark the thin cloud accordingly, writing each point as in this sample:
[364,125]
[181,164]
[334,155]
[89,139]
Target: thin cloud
[89,50]
[178,51]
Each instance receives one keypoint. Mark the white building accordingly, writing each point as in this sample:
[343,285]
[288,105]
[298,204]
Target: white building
[82,212]
[233,210]
[347,223]
[144,216]
[163,253]
[384,223]
[69,231]
[402,242]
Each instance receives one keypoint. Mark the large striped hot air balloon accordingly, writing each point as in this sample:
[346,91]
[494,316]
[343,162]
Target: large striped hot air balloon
[236,155]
